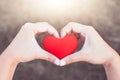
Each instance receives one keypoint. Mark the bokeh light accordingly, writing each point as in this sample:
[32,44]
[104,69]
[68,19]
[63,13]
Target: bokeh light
[58,8]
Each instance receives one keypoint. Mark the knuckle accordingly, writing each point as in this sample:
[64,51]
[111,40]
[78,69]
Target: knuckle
[45,22]
[28,23]
[39,23]
[27,26]
[71,23]
[51,31]
[90,27]
[70,58]
[45,25]
[49,59]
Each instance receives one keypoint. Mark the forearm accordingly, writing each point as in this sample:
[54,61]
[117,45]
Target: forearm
[112,68]
[7,66]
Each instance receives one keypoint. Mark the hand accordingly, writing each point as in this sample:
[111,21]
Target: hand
[25,48]
[94,49]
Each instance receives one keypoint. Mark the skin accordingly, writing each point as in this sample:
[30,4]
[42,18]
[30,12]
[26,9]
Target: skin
[95,50]
[25,48]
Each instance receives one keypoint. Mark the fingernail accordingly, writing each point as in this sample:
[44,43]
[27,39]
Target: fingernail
[57,62]
[57,36]
[63,35]
[62,63]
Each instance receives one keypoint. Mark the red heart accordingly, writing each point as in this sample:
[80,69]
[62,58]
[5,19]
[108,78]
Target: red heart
[60,47]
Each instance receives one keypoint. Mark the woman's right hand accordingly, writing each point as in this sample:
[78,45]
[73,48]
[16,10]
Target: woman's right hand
[25,48]
[95,50]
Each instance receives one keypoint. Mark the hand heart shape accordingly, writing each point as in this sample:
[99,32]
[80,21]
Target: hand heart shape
[60,47]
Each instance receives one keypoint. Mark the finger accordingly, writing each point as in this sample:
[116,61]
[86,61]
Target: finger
[53,31]
[49,57]
[72,26]
[76,57]
[66,30]
[45,27]
[75,27]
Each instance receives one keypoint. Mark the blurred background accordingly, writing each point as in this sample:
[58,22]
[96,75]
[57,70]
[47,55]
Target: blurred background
[103,15]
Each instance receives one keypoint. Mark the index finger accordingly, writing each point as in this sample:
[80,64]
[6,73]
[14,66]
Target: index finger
[45,27]
[72,26]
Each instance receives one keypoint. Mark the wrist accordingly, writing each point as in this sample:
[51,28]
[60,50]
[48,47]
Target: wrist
[6,57]
[112,68]
[112,61]
[8,66]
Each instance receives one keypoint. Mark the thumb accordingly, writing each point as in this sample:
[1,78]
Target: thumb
[75,57]
[49,57]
